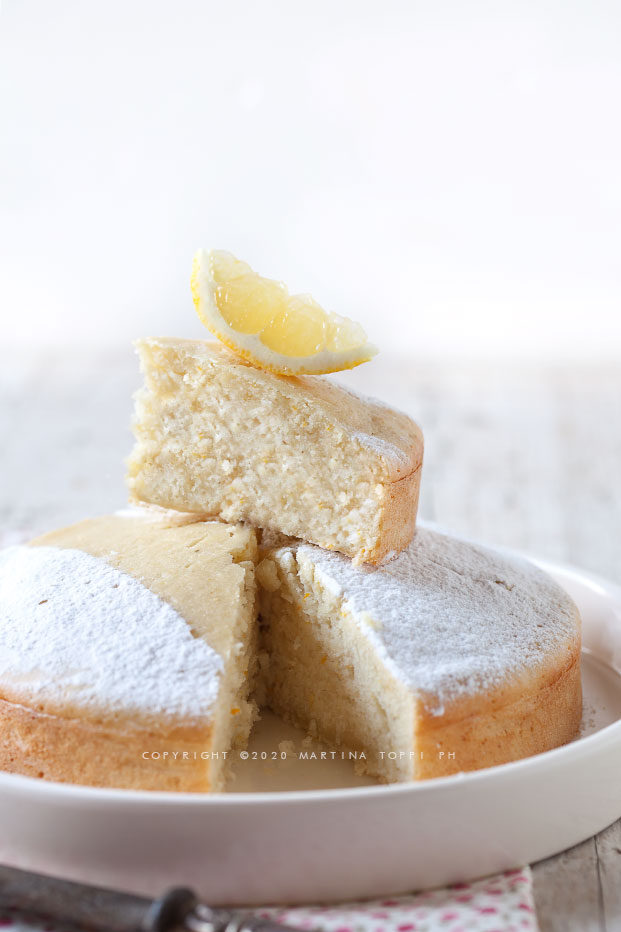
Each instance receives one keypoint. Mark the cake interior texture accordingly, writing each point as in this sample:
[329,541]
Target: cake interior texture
[302,456]
[321,674]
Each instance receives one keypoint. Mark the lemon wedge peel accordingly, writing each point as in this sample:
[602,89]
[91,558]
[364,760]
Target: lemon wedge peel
[283,333]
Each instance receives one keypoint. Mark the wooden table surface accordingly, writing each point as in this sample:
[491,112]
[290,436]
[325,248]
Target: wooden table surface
[524,455]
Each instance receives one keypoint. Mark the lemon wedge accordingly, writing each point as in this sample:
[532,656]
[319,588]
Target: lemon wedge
[258,319]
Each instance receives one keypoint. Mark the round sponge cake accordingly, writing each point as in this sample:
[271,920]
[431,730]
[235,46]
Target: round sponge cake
[130,646]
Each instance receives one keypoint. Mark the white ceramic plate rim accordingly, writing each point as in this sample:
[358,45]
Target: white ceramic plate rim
[141,798]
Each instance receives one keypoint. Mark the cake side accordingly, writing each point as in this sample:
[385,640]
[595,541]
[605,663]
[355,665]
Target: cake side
[505,725]
[77,750]
[137,674]
[302,456]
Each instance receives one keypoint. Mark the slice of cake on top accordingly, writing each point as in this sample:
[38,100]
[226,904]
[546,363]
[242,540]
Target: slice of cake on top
[303,456]
[451,657]
[127,650]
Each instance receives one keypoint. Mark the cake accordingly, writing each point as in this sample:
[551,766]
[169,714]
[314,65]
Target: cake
[132,653]
[126,652]
[301,456]
[451,657]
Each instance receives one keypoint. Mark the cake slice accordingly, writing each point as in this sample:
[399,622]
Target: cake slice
[451,657]
[126,653]
[302,456]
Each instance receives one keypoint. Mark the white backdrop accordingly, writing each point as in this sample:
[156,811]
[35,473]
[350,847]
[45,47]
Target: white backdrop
[448,173]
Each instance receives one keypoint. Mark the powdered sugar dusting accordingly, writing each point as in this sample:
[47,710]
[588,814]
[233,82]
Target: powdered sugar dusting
[377,444]
[74,627]
[452,618]
[382,448]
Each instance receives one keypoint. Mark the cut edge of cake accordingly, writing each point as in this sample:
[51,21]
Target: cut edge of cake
[303,456]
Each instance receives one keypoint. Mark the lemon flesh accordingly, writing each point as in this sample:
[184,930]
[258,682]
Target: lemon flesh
[260,320]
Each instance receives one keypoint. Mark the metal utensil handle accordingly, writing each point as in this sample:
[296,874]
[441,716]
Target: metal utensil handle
[65,900]
[103,910]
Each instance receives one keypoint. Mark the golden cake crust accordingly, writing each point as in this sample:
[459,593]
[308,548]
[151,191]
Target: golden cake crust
[76,750]
[507,725]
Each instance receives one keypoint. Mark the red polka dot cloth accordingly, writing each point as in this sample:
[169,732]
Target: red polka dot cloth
[503,903]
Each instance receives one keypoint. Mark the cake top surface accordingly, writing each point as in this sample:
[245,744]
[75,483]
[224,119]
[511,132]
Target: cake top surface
[199,567]
[451,618]
[75,632]
[382,430]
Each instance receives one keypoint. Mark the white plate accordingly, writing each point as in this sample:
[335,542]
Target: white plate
[329,844]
